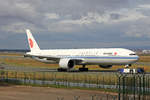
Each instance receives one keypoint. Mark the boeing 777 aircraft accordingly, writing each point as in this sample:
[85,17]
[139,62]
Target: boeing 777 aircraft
[68,58]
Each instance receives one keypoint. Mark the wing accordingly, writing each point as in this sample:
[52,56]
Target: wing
[41,56]
[78,61]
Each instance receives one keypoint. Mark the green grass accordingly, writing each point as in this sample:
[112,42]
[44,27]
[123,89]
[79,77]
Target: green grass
[61,77]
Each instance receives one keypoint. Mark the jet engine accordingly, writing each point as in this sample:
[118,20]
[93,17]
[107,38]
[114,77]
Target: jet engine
[105,66]
[66,63]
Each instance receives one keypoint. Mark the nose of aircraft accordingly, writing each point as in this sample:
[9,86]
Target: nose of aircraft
[137,58]
[133,54]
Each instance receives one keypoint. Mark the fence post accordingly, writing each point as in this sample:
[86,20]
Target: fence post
[103,82]
[139,88]
[119,83]
[65,81]
[97,81]
[34,78]
[6,76]
[16,77]
[143,87]
[73,79]
[89,81]
[43,81]
[134,82]
[85,80]
[55,78]
[148,86]
[2,75]
[123,81]
[24,78]
[68,80]
[107,96]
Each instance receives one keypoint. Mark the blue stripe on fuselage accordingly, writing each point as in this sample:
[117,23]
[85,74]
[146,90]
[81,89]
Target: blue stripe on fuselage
[101,57]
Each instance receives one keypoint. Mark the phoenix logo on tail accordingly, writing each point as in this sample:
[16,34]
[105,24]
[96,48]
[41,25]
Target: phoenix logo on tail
[31,43]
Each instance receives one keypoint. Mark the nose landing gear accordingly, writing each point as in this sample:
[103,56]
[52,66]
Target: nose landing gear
[127,66]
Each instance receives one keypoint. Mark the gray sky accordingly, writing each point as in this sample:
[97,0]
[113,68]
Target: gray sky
[75,23]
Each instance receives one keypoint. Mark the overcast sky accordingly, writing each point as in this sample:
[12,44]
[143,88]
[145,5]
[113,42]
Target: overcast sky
[75,23]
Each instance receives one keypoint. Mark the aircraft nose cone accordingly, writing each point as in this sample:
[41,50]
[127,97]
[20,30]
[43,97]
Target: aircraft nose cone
[137,58]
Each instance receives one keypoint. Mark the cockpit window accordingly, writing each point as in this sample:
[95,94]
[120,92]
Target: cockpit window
[132,54]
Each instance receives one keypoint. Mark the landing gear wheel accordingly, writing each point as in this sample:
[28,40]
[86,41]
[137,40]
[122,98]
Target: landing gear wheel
[127,66]
[83,69]
[61,70]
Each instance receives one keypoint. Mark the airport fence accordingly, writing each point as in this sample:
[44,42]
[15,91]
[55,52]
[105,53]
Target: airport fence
[97,81]
[128,86]
[135,86]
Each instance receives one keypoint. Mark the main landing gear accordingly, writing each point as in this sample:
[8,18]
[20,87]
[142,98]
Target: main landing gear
[127,66]
[83,68]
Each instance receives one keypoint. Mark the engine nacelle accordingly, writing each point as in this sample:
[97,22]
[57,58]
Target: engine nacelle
[105,66]
[66,63]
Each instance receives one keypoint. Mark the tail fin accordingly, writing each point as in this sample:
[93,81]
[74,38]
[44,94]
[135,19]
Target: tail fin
[32,43]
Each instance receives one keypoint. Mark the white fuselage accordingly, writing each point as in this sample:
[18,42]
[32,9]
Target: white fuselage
[107,56]
[68,58]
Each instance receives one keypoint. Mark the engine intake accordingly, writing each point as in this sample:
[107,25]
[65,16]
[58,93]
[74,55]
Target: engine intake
[66,63]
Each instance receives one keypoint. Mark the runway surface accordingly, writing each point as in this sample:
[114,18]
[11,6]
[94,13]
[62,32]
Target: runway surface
[34,69]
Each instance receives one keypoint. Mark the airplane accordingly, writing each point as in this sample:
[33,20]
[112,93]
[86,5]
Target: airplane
[68,58]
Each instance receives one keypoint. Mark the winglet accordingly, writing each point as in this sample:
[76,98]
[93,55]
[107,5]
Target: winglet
[32,43]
